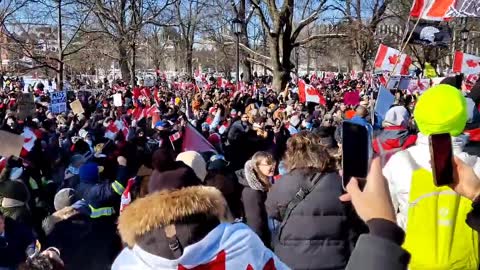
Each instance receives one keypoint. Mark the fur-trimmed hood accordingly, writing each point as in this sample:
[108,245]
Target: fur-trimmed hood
[164,208]
[247,177]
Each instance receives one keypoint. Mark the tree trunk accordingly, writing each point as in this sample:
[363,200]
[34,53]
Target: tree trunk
[280,79]
[60,49]
[133,66]
[309,58]
[189,59]
[244,63]
[123,62]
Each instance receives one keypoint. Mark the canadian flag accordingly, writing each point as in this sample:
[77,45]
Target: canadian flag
[466,63]
[221,82]
[29,138]
[470,81]
[444,9]
[308,93]
[431,9]
[175,137]
[389,58]
[114,127]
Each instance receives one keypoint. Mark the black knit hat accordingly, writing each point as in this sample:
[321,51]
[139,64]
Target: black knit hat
[14,190]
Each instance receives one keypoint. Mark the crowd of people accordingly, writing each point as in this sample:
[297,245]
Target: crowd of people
[197,177]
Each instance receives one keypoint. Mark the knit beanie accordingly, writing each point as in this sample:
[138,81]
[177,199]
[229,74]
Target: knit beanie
[65,197]
[15,190]
[89,173]
[397,116]
[441,109]
[195,161]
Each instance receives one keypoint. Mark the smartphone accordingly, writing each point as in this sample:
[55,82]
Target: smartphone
[355,152]
[441,155]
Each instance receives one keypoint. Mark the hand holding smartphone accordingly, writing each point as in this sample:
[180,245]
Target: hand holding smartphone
[355,153]
[441,156]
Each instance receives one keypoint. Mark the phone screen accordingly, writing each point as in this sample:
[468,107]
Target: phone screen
[441,157]
[355,152]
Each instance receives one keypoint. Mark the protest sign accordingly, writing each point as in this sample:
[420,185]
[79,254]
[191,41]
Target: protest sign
[384,102]
[25,105]
[77,107]
[398,82]
[11,144]
[117,100]
[351,98]
[58,102]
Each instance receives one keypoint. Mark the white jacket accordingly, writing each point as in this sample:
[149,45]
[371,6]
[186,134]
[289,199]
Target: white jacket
[398,171]
[228,246]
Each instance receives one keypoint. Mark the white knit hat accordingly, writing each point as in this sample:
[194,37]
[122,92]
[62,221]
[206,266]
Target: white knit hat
[195,161]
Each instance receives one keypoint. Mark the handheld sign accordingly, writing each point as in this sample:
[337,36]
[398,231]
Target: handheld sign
[25,105]
[117,100]
[77,107]
[385,100]
[11,144]
[58,102]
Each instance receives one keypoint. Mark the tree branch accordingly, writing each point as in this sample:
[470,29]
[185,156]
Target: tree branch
[255,61]
[314,37]
[313,17]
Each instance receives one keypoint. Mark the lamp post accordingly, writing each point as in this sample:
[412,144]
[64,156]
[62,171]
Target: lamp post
[464,34]
[237,30]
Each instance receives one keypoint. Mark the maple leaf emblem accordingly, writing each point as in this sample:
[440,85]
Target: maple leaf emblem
[393,59]
[472,63]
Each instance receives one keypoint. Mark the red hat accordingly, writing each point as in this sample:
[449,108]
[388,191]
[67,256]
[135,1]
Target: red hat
[214,139]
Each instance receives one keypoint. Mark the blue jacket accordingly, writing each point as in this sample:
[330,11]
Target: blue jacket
[362,121]
[104,198]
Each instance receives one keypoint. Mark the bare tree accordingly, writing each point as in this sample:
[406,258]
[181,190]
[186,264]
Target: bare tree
[189,14]
[65,33]
[362,18]
[283,33]
[122,20]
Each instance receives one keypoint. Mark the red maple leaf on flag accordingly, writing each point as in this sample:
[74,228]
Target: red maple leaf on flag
[472,63]
[393,59]
[217,264]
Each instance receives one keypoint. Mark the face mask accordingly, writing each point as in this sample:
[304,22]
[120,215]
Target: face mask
[73,170]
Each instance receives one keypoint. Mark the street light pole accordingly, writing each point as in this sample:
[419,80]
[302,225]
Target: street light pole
[238,62]
[237,30]
[464,34]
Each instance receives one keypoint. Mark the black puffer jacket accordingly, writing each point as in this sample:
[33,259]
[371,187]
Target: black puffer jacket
[317,234]
[253,200]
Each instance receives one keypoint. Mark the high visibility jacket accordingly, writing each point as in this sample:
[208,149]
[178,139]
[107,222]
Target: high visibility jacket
[101,206]
[433,217]
[437,235]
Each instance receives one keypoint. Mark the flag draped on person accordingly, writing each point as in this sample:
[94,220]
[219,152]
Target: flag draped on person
[466,63]
[388,59]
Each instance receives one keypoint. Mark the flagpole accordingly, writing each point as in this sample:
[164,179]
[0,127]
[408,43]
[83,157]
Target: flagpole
[409,37]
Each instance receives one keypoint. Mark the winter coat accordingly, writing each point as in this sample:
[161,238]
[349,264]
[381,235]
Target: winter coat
[82,245]
[227,184]
[237,132]
[319,234]
[194,217]
[19,237]
[253,199]
[376,253]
